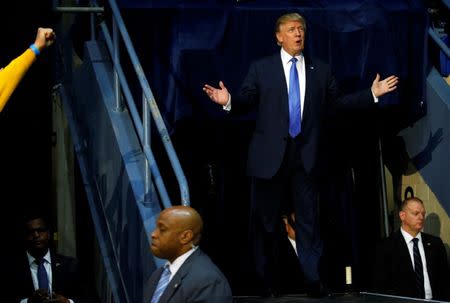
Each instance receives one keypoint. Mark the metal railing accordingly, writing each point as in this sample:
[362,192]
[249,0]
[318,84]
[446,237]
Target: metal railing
[439,42]
[149,106]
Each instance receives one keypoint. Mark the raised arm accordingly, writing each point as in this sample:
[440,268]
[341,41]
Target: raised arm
[12,74]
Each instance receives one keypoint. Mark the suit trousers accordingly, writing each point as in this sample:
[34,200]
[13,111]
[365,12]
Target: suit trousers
[290,188]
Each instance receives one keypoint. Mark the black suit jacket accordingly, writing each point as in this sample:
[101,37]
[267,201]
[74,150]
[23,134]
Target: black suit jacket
[197,280]
[394,272]
[66,279]
[265,88]
[290,271]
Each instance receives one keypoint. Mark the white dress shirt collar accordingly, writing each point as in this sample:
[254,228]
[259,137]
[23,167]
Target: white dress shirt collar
[285,57]
[408,238]
[178,262]
[46,257]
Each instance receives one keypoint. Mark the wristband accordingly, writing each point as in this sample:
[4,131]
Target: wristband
[35,49]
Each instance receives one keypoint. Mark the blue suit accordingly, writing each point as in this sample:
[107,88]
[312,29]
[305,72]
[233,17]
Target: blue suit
[284,169]
[197,280]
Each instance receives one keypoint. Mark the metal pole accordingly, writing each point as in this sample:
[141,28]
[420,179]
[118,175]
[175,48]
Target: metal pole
[119,103]
[66,9]
[146,123]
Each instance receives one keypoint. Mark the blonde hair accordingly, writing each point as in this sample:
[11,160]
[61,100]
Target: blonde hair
[287,18]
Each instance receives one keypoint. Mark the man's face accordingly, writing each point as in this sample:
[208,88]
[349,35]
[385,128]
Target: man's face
[166,237]
[291,36]
[37,237]
[413,217]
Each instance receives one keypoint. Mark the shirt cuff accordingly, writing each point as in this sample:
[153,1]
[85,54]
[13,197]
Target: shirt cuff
[375,99]
[227,107]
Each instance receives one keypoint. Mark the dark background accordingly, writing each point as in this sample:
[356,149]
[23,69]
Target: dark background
[213,148]
[25,122]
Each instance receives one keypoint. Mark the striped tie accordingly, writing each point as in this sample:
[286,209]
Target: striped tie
[162,284]
[418,268]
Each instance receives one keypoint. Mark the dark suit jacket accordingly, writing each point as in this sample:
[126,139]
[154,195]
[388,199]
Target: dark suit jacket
[394,272]
[290,271]
[265,89]
[66,279]
[197,280]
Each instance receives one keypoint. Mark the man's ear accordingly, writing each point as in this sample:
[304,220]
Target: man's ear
[402,215]
[279,38]
[186,236]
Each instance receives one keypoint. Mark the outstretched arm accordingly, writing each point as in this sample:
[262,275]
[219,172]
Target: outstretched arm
[379,88]
[218,95]
[11,75]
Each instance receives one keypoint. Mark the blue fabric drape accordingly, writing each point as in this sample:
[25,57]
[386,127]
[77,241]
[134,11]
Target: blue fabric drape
[184,44]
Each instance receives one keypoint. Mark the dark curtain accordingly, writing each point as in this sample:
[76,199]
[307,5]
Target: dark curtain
[184,44]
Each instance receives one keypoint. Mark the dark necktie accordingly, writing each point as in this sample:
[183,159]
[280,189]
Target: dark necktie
[418,268]
[294,100]
[42,274]
[162,284]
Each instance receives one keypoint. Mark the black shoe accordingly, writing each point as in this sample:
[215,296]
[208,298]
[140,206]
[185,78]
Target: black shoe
[317,290]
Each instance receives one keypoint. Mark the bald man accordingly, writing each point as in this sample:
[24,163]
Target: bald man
[189,274]
[396,259]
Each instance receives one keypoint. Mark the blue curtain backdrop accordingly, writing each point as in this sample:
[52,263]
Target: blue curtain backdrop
[184,44]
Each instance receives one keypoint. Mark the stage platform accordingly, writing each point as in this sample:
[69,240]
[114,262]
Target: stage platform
[334,298]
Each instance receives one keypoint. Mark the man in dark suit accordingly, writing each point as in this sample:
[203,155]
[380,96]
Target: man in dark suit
[41,275]
[291,276]
[401,271]
[189,274]
[291,94]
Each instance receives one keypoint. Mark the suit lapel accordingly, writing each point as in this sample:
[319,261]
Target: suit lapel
[279,79]
[177,280]
[403,251]
[428,247]
[27,275]
[309,82]
[152,282]
[56,271]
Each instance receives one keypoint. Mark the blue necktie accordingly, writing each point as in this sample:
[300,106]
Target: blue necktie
[418,268]
[294,100]
[162,284]
[42,274]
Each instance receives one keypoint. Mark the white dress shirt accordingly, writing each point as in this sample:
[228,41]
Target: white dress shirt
[285,59]
[34,269]
[300,64]
[294,245]
[176,264]
[426,280]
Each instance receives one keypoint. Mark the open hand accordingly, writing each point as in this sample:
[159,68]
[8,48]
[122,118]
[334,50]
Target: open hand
[379,88]
[218,95]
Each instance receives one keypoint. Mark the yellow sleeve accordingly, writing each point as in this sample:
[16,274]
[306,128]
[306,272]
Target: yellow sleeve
[11,75]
